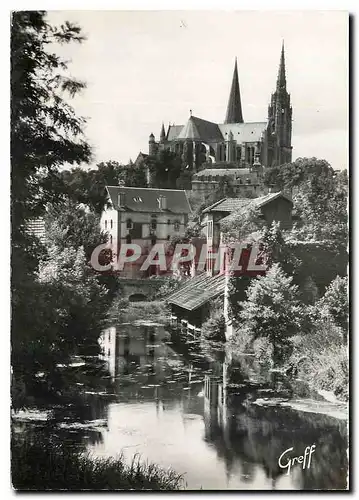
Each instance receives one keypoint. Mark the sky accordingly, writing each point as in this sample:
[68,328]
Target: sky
[143,68]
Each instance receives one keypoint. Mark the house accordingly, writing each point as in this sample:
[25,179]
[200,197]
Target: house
[272,207]
[143,216]
[191,301]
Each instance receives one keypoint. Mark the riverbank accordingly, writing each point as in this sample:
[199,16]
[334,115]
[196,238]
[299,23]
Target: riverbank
[43,467]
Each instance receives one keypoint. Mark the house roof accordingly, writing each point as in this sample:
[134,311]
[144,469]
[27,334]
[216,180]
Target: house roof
[234,204]
[197,291]
[255,203]
[146,199]
[227,205]
[197,129]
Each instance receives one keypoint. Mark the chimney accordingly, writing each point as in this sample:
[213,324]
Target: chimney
[121,199]
[162,202]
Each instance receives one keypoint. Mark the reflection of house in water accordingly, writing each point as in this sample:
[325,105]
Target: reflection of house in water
[127,348]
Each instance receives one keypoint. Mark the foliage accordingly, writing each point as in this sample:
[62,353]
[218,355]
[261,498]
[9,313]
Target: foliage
[214,328]
[166,170]
[170,286]
[45,133]
[73,225]
[321,358]
[320,197]
[294,174]
[88,186]
[272,310]
[58,302]
[47,466]
[334,305]
[241,224]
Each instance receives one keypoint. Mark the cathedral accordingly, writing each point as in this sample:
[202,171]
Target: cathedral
[234,144]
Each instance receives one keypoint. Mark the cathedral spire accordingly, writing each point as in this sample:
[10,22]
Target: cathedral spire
[281,80]
[234,108]
[163,133]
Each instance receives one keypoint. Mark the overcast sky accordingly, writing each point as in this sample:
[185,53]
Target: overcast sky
[145,67]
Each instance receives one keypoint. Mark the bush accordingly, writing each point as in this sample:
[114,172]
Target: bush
[214,328]
[321,359]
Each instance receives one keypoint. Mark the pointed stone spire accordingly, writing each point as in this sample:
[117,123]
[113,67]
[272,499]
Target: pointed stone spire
[234,108]
[281,80]
[163,133]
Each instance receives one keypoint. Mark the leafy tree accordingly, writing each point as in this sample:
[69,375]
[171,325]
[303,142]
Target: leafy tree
[45,132]
[89,186]
[73,226]
[165,169]
[291,175]
[273,311]
[334,305]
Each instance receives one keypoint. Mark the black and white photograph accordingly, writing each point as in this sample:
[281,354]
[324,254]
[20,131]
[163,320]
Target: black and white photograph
[179,207]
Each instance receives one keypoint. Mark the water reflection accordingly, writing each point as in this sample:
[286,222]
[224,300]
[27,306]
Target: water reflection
[178,409]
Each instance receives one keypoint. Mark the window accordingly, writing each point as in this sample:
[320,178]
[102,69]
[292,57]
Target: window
[153,222]
[105,224]
[111,239]
[111,223]
[168,221]
[177,225]
[153,240]
[129,224]
[210,229]
[128,239]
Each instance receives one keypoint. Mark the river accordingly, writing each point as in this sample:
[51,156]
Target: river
[208,416]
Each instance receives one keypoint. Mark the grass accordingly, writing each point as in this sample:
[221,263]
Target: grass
[41,467]
[123,310]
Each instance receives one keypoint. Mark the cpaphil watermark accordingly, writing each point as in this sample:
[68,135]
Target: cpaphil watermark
[285,462]
[239,258]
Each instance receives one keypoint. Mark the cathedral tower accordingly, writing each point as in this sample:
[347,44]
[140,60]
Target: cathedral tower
[280,120]
[234,108]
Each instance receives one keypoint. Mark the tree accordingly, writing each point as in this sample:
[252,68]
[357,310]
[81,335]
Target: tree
[320,197]
[73,225]
[334,305]
[165,169]
[89,186]
[273,311]
[45,132]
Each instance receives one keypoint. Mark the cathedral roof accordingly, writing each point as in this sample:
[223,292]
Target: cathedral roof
[173,132]
[146,199]
[197,129]
[203,130]
[243,132]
